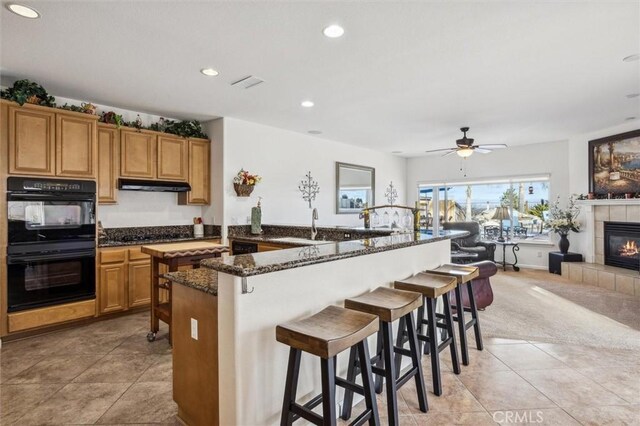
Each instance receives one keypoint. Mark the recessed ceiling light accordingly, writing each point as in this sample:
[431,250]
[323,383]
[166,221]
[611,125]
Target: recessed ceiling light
[314,132]
[24,11]
[333,31]
[396,152]
[209,71]
[307,104]
[630,118]
[631,58]
[633,95]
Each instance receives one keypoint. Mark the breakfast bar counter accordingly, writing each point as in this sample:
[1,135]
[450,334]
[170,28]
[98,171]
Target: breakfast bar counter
[227,366]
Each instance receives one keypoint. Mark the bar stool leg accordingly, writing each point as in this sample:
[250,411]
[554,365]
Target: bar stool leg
[449,325]
[415,359]
[291,387]
[380,363]
[347,402]
[367,383]
[400,339]
[328,371]
[390,374]
[462,326]
[433,345]
[419,325]
[474,316]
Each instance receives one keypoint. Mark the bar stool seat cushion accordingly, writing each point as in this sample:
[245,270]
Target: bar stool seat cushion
[387,303]
[328,332]
[428,284]
[462,273]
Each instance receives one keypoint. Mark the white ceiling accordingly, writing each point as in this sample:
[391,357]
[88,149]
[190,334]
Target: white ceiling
[404,77]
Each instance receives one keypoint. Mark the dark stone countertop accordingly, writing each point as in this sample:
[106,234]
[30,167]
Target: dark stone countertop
[115,243]
[203,279]
[246,265]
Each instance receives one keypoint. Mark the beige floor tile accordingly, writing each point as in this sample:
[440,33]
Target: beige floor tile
[568,387]
[504,390]
[138,344]
[12,365]
[478,361]
[43,345]
[439,419]
[455,397]
[118,369]
[17,400]
[150,402]
[89,345]
[606,415]
[624,382]
[160,371]
[78,403]
[578,356]
[501,341]
[56,369]
[524,357]
[540,416]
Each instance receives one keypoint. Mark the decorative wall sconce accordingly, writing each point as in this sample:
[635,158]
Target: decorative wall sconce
[309,188]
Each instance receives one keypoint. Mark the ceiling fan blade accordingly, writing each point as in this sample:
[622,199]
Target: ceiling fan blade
[493,146]
[440,150]
[450,152]
[482,150]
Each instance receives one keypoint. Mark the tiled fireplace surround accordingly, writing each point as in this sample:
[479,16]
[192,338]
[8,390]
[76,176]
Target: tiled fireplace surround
[594,271]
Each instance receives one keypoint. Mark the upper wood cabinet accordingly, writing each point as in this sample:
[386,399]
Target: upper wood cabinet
[75,146]
[172,158]
[31,141]
[137,154]
[108,163]
[199,174]
[48,142]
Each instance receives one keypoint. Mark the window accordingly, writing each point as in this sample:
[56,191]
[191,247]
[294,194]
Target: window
[523,202]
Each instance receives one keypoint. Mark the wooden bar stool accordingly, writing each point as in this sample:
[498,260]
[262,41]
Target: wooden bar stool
[463,275]
[433,286]
[325,335]
[389,305]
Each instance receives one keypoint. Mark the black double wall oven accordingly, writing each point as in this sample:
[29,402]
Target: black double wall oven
[52,249]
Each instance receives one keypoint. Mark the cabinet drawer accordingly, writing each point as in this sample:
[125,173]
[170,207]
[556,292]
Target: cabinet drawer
[136,254]
[51,315]
[112,256]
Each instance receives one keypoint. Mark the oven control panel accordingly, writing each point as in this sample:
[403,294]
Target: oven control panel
[49,185]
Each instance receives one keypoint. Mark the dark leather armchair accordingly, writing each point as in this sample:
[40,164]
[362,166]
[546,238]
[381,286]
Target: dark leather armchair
[482,291]
[472,242]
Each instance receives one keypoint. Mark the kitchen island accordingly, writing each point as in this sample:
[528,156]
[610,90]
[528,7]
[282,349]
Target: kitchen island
[228,368]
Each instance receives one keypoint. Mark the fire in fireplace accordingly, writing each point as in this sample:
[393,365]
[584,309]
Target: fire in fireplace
[622,244]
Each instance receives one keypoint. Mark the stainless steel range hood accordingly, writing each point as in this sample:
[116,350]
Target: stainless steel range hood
[152,185]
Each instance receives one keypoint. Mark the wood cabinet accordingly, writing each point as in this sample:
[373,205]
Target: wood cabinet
[31,141]
[112,295]
[75,146]
[199,174]
[139,283]
[108,163]
[137,154]
[173,158]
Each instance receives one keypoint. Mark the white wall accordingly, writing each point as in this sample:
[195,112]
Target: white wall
[283,158]
[546,158]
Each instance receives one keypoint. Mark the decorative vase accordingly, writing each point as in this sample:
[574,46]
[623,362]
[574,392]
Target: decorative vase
[243,190]
[563,244]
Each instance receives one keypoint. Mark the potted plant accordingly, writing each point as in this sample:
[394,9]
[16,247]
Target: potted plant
[563,221]
[244,182]
[26,91]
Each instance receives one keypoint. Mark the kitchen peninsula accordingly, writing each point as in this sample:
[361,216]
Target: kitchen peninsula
[228,367]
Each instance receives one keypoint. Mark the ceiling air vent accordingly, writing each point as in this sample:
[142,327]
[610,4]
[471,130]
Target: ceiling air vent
[247,82]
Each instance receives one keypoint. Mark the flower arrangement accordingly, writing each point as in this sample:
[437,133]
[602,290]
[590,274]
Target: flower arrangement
[564,220]
[245,178]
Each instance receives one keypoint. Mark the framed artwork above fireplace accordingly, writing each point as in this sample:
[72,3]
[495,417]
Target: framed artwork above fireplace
[614,164]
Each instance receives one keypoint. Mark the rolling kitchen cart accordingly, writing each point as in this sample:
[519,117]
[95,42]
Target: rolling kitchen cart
[173,255]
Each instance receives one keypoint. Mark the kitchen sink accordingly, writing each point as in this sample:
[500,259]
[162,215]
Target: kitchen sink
[305,241]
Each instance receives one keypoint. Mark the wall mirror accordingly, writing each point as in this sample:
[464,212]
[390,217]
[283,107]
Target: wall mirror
[355,185]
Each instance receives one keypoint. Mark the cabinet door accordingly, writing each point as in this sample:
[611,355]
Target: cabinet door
[108,161]
[31,141]
[137,154]
[199,174]
[75,146]
[172,158]
[139,283]
[111,288]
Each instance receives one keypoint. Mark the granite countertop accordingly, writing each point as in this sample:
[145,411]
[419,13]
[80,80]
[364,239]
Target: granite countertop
[277,239]
[246,265]
[203,279]
[115,243]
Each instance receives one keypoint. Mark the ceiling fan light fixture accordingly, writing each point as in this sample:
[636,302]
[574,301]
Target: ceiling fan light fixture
[464,152]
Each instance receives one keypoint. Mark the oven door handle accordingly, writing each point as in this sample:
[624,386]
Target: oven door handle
[50,197]
[14,260]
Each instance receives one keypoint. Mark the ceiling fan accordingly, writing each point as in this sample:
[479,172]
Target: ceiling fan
[465,146]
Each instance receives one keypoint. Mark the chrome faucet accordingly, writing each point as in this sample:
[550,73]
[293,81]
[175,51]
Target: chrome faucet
[314,230]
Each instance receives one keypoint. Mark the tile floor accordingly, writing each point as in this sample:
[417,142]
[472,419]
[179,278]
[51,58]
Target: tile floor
[107,373]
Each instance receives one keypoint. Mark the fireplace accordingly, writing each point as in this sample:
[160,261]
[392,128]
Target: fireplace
[622,245]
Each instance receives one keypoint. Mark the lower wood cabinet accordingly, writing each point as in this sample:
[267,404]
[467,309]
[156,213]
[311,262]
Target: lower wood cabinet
[112,293]
[124,279]
[139,283]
